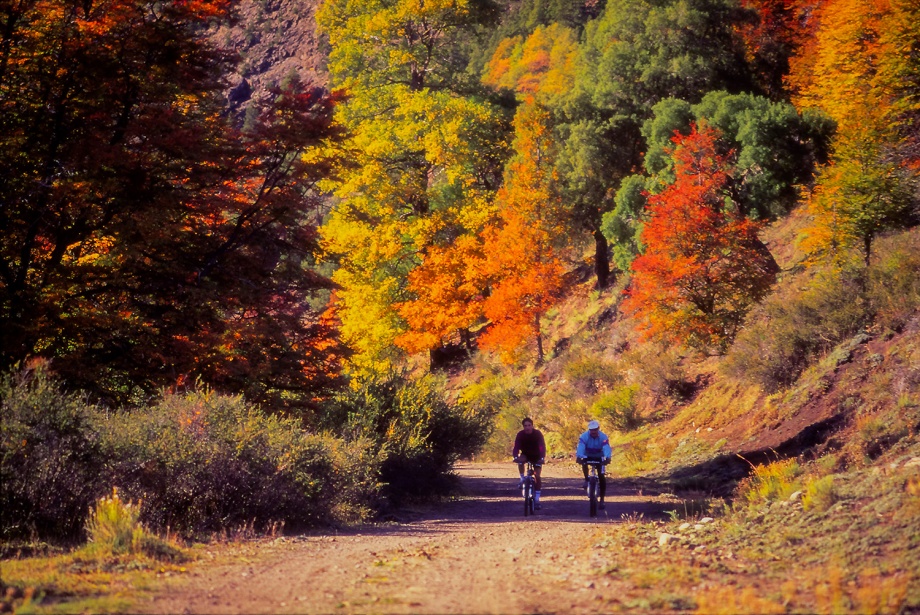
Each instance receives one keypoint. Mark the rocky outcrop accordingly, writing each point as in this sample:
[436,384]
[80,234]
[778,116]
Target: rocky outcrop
[274,38]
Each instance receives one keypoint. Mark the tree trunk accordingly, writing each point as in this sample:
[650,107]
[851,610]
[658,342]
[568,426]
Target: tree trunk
[536,319]
[601,260]
[867,246]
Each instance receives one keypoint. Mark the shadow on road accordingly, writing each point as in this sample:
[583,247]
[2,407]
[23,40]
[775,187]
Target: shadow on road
[487,499]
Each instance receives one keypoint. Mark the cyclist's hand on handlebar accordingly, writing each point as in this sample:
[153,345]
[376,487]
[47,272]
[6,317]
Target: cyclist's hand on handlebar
[580,460]
[607,461]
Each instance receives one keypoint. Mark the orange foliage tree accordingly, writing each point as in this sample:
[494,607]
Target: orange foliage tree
[703,266]
[448,288]
[780,30]
[522,258]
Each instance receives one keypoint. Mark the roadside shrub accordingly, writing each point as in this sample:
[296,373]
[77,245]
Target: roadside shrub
[115,524]
[418,433]
[590,374]
[50,458]
[498,395]
[794,325]
[619,408]
[200,462]
[203,462]
[656,368]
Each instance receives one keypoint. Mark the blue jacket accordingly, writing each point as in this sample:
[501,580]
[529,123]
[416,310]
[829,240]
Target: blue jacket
[593,448]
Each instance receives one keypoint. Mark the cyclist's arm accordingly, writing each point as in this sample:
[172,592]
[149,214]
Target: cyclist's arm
[542,446]
[606,448]
[517,446]
[580,450]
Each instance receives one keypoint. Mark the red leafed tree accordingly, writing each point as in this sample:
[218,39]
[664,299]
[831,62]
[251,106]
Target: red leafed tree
[145,238]
[522,253]
[703,264]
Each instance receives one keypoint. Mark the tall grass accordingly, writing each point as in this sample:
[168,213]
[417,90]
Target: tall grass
[114,528]
[774,481]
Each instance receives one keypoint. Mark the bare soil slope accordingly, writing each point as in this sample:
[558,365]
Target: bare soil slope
[476,554]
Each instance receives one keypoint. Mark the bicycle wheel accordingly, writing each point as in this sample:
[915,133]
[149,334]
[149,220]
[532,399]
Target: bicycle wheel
[528,498]
[592,497]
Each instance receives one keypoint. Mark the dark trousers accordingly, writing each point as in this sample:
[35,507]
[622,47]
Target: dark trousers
[601,479]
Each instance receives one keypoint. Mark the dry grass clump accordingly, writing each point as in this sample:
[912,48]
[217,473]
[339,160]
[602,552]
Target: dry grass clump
[114,529]
[774,481]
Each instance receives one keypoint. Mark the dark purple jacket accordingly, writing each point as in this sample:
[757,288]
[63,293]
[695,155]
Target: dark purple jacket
[532,445]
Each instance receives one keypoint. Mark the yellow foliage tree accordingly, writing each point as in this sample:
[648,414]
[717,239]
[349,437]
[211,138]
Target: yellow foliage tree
[424,157]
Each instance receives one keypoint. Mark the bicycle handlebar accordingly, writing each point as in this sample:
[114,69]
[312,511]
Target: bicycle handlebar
[594,462]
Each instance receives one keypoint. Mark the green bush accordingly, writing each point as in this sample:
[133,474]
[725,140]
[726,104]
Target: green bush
[820,494]
[418,432]
[114,529]
[203,462]
[589,373]
[499,395]
[619,408]
[50,458]
[774,481]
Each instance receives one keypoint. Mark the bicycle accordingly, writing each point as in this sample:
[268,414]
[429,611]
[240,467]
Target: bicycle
[593,484]
[528,489]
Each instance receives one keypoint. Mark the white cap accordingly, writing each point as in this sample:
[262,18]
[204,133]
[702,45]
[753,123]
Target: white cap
[594,425]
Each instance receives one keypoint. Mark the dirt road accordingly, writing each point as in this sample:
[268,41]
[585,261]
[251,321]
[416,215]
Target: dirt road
[476,554]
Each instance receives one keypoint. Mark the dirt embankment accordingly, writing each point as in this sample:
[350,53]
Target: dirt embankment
[476,554]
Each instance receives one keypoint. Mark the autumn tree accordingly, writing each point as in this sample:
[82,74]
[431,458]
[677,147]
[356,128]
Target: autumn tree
[777,33]
[703,265]
[523,256]
[425,154]
[448,289]
[778,148]
[145,240]
[898,76]
[861,79]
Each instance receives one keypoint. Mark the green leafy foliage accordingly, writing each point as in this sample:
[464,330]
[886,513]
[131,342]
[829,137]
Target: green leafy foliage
[416,432]
[777,148]
[619,408]
[638,53]
[623,226]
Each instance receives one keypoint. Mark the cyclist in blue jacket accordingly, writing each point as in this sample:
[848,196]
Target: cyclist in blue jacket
[594,445]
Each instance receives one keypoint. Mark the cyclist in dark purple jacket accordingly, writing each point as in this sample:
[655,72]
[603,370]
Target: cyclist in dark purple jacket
[530,446]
